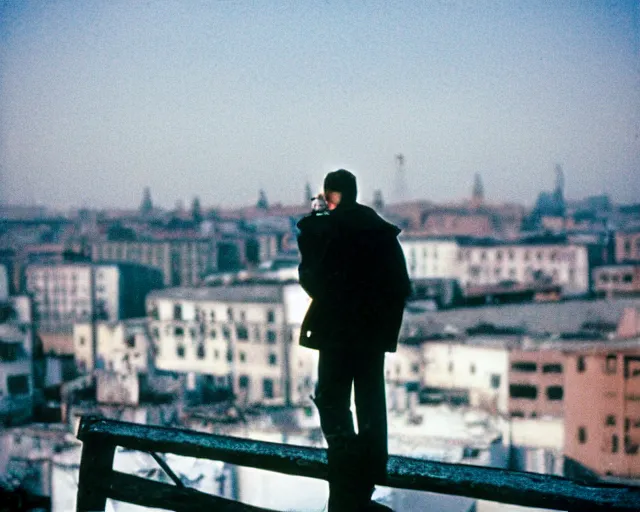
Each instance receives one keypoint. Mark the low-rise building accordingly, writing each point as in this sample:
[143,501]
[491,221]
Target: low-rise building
[617,280]
[477,370]
[241,337]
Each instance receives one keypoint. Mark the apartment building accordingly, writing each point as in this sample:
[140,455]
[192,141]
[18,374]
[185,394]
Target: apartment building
[16,376]
[602,410]
[241,337]
[69,293]
[492,262]
[182,261]
[474,262]
[536,383]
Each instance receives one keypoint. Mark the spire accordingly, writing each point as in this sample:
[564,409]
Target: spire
[147,205]
[477,196]
[263,203]
[196,210]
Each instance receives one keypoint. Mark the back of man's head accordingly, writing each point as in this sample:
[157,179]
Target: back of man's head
[344,182]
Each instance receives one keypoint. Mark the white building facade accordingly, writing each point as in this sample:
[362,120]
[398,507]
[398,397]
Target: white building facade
[243,337]
[474,263]
[479,368]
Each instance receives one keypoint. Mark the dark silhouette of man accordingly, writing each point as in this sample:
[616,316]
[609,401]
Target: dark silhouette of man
[354,270]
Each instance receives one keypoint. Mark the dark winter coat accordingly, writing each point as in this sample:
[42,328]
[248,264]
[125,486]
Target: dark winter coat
[354,270]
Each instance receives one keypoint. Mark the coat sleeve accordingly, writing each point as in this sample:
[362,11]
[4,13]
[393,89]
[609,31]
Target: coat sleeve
[311,271]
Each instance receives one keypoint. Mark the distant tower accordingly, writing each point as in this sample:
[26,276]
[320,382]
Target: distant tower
[558,193]
[262,203]
[401,179]
[307,194]
[196,210]
[378,202]
[477,196]
[559,190]
[146,207]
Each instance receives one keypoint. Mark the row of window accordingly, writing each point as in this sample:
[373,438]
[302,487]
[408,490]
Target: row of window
[201,353]
[500,255]
[531,367]
[530,392]
[615,277]
[241,333]
[200,315]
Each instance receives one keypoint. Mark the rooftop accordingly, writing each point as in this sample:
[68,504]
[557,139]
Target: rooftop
[271,292]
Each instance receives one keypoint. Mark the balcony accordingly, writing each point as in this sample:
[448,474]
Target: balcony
[98,481]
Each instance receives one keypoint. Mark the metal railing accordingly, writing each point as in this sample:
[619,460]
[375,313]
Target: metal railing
[98,481]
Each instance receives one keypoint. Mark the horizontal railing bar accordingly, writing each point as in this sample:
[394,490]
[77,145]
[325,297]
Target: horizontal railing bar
[515,487]
[148,493]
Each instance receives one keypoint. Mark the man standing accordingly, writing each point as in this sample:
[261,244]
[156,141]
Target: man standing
[354,270]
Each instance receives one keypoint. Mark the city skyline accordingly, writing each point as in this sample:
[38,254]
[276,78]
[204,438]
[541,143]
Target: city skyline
[220,100]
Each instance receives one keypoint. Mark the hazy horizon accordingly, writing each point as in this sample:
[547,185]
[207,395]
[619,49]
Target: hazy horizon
[221,99]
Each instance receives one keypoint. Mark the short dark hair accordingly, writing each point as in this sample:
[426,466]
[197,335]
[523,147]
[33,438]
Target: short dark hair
[344,182]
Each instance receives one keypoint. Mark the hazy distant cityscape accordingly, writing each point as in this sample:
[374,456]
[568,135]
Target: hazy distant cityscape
[190,317]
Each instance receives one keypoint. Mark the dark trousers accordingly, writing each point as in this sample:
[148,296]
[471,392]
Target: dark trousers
[356,461]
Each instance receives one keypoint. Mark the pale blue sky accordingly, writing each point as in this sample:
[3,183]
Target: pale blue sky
[220,98]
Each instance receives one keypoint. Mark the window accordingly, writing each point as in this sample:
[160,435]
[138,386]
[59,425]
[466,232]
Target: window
[243,382]
[201,351]
[524,367]
[499,255]
[192,332]
[581,364]
[582,435]
[450,367]
[230,314]
[242,332]
[155,332]
[230,355]
[256,335]
[212,316]
[472,369]
[213,334]
[267,388]
[271,316]
[552,368]
[177,312]
[273,360]
[525,391]
[604,278]
[130,341]
[18,385]
[527,255]
[415,368]
[610,365]
[271,336]
[226,333]
[243,316]
[495,381]
[511,255]
[614,443]
[180,351]
[610,421]
[216,354]
[555,393]
[243,357]
[178,331]
[82,340]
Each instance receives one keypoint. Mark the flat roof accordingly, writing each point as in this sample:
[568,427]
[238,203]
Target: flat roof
[250,292]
